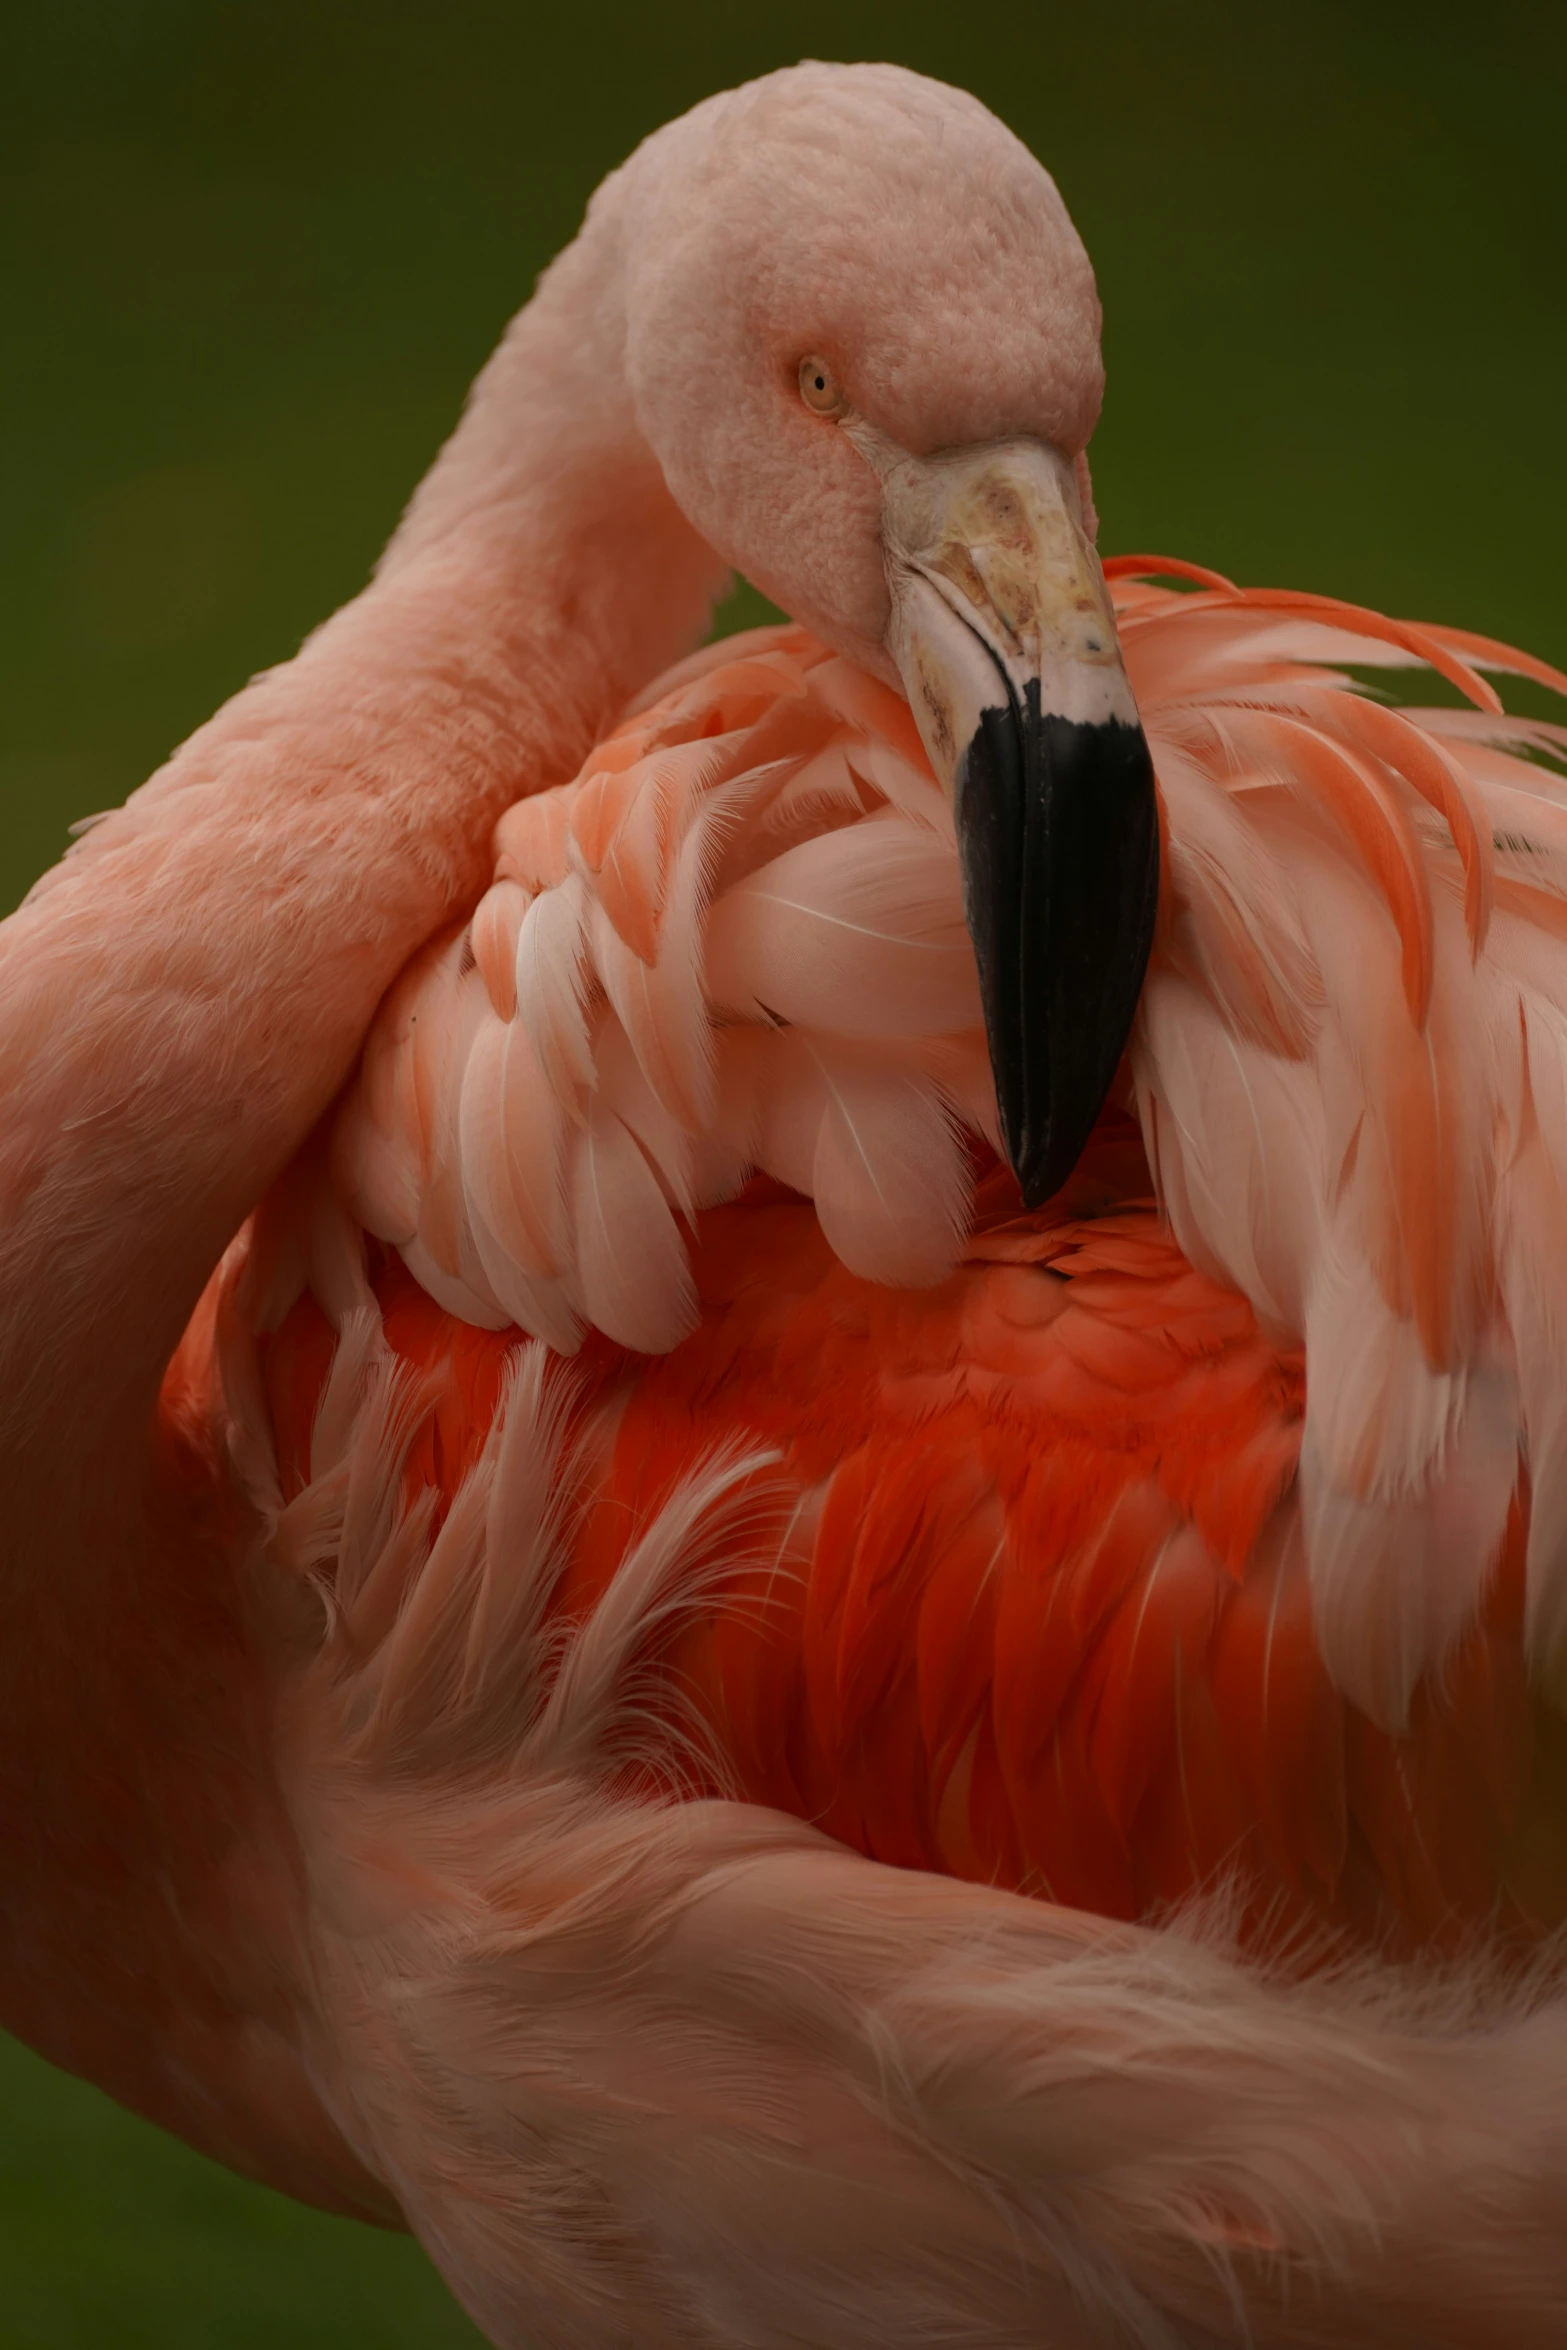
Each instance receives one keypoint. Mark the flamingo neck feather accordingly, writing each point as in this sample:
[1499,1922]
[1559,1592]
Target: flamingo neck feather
[179,1002]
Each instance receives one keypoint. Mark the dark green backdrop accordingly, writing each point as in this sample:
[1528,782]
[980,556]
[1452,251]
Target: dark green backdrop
[252,250]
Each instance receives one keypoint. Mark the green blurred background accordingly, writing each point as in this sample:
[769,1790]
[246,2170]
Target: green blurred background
[251,252]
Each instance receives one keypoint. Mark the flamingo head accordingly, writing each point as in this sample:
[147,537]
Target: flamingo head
[862,340]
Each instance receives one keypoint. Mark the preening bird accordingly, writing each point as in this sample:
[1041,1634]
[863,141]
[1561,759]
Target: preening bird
[786,1449]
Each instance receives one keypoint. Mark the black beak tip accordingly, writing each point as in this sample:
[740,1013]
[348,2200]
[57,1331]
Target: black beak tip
[1059,836]
[1041,1172]
[1043,1163]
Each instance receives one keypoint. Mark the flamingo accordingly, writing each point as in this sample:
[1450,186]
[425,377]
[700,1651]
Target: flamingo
[785,1450]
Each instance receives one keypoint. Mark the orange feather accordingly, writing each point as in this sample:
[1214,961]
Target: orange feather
[1034,1608]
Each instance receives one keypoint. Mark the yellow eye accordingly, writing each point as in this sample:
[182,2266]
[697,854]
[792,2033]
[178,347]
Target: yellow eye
[819,387]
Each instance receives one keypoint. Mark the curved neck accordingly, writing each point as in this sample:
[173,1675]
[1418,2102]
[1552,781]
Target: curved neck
[185,994]
[547,516]
[179,1003]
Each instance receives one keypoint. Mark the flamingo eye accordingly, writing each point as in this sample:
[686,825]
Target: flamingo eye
[819,387]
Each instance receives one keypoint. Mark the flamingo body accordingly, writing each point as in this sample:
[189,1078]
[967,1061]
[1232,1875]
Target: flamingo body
[1030,1607]
[1042,1610]
[736,941]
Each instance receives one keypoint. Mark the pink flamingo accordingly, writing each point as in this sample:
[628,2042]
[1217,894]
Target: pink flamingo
[679,1828]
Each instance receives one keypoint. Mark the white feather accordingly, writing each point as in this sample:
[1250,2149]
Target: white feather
[633,1274]
[858,933]
[552,987]
[886,1169]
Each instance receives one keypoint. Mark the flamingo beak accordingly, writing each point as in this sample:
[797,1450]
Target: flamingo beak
[1004,636]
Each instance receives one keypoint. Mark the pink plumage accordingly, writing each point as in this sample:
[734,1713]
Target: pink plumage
[597,1550]
[1317,1061]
